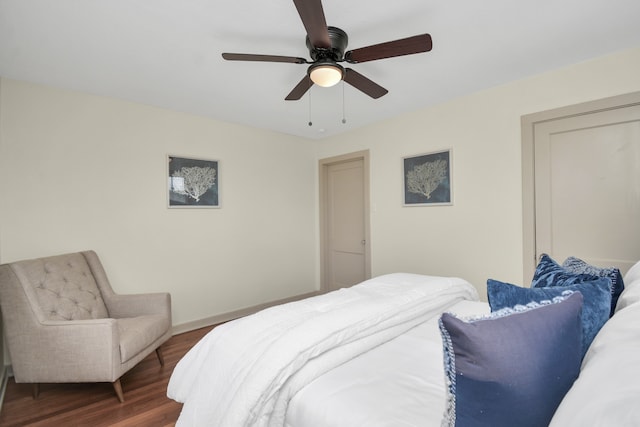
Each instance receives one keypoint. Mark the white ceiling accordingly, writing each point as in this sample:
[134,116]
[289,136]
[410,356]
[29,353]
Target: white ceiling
[167,52]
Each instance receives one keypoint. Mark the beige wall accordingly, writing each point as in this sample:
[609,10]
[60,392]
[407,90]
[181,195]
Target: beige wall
[84,172]
[78,171]
[480,236]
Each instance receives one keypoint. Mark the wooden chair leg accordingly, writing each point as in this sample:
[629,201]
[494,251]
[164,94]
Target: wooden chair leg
[118,389]
[36,390]
[160,357]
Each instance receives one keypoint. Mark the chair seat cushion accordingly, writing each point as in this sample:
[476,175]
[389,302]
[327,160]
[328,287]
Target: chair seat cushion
[137,333]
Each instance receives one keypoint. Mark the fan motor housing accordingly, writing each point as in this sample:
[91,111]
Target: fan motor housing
[339,41]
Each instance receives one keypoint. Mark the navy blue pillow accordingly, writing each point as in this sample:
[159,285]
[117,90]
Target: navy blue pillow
[511,368]
[578,266]
[550,273]
[595,309]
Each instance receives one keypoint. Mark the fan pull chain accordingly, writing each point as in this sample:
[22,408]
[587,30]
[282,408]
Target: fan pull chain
[310,122]
[344,120]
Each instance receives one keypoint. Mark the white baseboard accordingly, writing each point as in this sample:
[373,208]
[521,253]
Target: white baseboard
[225,317]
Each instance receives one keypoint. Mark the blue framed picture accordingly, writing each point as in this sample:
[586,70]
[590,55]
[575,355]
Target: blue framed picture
[427,179]
[193,183]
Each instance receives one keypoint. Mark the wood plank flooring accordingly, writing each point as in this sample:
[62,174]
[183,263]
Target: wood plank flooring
[145,393]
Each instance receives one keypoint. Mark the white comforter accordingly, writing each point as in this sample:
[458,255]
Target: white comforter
[245,372]
[400,383]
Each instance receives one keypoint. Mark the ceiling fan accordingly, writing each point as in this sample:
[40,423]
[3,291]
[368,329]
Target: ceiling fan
[327,49]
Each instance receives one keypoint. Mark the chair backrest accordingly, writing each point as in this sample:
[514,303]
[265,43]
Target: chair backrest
[62,287]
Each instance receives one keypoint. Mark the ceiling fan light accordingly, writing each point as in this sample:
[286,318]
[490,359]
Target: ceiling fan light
[326,75]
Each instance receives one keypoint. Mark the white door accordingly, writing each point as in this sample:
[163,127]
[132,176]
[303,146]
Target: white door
[344,224]
[587,187]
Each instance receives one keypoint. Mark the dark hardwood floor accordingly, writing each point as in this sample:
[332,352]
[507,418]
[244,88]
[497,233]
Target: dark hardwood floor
[145,393]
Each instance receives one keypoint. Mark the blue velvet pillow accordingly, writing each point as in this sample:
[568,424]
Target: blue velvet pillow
[595,309]
[578,266]
[511,368]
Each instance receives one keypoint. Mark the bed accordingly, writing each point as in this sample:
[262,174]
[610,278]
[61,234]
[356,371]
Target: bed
[381,353]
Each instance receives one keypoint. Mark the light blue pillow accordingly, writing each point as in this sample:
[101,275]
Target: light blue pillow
[511,368]
[578,266]
[595,309]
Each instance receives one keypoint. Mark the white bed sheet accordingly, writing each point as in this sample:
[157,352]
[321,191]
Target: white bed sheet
[398,384]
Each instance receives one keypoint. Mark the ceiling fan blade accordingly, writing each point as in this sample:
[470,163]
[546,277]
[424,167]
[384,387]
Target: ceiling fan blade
[312,16]
[407,46]
[263,58]
[362,83]
[300,89]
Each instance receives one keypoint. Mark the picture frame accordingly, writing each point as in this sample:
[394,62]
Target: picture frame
[193,183]
[426,179]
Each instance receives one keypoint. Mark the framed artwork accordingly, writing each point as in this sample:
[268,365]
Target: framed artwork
[193,183]
[427,179]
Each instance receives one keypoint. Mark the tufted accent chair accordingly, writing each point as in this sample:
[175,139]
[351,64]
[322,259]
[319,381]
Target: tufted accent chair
[64,323]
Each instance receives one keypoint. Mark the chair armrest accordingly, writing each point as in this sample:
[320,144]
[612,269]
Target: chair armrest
[68,351]
[120,306]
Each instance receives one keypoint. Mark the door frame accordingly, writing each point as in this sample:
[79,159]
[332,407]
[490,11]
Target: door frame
[528,123]
[323,168]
